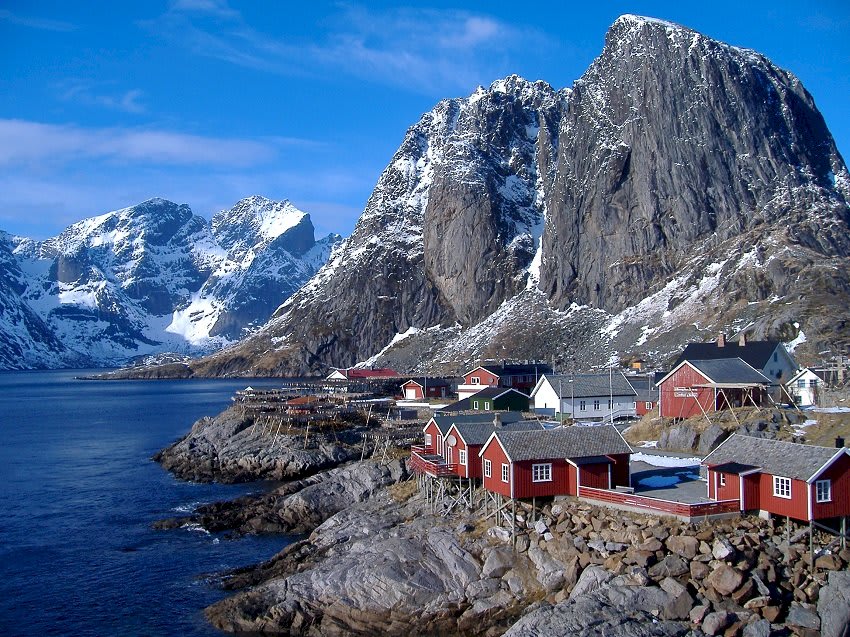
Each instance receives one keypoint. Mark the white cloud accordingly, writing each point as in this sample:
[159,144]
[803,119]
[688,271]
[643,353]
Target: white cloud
[89,94]
[27,142]
[41,24]
[422,50]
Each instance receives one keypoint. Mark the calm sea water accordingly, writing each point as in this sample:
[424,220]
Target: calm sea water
[78,493]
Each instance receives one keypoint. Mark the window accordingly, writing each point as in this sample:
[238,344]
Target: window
[823,490]
[486,405]
[610,404]
[428,440]
[475,380]
[475,404]
[541,472]
[782,487]
[596,405]
[813,382]
[505,473]
[801,382]
[462,456]
[647,405]
[775,357]
[488,468]
[582,405]
[722,479]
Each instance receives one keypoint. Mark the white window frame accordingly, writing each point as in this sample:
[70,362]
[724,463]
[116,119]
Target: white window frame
[647,405]
[541,472]
[823,491]
[506,474]
[722,479]
[474,380]
[475,404]
[781,487]
[582,404]
[596,404]
[486,405]
[488,468]
[429,439]
[461,456]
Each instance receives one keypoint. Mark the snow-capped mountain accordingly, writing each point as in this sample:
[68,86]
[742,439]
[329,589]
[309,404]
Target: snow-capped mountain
[151,278]
[682,186]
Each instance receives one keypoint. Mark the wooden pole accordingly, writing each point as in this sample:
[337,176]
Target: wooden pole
[812,546]
[533,509]
[843,532]
[513,522]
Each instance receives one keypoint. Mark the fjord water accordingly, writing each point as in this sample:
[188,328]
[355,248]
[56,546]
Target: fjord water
[78,493]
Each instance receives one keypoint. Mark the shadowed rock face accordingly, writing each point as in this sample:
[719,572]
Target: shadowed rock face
[679,171]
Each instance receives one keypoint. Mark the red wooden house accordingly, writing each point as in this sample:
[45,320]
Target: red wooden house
[436,429]
[528,464]
[803,482]
[521,377]
[466,439]
[420,388]
[703,386]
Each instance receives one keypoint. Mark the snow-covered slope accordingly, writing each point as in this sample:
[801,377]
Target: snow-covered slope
[151,278]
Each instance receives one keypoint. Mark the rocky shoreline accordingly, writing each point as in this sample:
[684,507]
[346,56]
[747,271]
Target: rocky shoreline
[377,561]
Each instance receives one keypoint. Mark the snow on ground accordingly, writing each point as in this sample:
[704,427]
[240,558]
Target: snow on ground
[665,461]
[831,410]
[800,429]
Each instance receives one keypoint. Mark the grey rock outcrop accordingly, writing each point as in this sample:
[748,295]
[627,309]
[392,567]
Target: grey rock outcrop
[231,448]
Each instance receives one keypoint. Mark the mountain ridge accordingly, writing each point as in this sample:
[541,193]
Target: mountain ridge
[150,278]
[684,186]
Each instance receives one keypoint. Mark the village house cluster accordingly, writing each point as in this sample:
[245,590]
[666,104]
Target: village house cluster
[525,433]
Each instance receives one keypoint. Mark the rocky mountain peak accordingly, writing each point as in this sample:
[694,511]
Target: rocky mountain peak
[257,220]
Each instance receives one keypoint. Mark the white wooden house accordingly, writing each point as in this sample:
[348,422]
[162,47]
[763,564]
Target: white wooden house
[601,397]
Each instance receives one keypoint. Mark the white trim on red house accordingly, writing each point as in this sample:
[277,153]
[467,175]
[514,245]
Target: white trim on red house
[828,464]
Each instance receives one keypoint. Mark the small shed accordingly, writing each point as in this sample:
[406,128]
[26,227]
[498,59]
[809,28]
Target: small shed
[803,482]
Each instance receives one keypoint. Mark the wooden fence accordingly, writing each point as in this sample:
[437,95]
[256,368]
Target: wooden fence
[655,505]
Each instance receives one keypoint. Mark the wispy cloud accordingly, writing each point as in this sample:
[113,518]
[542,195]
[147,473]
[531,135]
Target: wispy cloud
[422,50]
[42,24]
[90,94]
[27,142]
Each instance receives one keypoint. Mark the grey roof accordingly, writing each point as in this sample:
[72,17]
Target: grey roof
[566,442]
[587,385]
[755,353]
[477,433]
[444,421]
[776,457]
[516,369]
[730,370]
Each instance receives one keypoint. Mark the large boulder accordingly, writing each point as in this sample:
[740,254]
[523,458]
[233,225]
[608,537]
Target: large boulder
[834,605]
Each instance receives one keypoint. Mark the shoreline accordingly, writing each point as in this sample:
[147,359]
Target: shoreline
[371,558]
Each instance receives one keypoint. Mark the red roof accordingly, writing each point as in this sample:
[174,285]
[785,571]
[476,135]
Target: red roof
[381,372]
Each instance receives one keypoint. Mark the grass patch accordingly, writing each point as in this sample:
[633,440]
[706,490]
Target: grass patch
[403,491]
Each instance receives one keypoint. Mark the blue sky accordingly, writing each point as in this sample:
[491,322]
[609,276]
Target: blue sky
[103,105]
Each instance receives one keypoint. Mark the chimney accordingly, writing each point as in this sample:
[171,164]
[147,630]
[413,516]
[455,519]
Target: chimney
[497,421]
[721,340]
[742,340]
[839,442]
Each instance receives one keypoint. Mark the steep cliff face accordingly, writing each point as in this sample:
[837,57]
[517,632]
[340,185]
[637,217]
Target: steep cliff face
[447,236]
[680,187]
[672,138]
[151,278]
